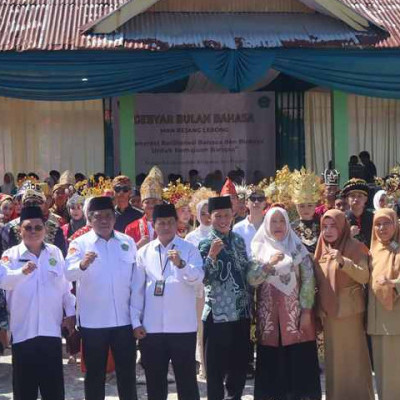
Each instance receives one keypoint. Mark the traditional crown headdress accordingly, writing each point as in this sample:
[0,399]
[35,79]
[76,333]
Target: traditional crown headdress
[306,187]
[152,186]
[242,191]
[178,194]
[331,177]
[91,188]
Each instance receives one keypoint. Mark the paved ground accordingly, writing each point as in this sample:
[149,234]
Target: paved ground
[74,384]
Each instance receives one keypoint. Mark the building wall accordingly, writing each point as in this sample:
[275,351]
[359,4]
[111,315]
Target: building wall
[374,125]
[40,136]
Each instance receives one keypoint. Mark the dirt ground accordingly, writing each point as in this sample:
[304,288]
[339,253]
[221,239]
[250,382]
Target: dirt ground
[74,384]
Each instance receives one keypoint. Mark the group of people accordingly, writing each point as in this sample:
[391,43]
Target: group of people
[184,274]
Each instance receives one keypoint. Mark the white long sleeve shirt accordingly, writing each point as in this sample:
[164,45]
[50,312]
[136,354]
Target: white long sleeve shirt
[175,311]
[104,289]
[247,231]
[36,301]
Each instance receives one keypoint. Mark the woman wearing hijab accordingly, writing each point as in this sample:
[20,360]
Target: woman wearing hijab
[78,220]
[204,220]
[342,268]
[195,237]
[8,186]
[380,200]
[384,303]
[287,360]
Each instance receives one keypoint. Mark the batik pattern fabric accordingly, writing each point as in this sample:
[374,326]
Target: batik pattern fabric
[228,295]
[278,314]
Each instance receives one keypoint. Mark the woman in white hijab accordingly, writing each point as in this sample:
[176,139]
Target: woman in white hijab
[202,231]
[195,237]
[287,360]
[380,200]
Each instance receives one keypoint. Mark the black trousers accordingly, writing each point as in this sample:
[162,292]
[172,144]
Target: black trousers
[158,349]
[37,365]
[226,347]
[96,343]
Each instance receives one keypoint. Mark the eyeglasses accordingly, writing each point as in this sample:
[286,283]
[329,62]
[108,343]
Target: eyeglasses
[124,189]
[36,228]
[260,199]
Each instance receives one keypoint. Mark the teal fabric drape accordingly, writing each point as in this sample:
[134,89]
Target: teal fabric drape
[76,75]
[235,70]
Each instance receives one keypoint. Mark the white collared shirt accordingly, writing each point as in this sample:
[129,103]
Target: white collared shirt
[247,231]
[175,311]
[36,301]
[103,290]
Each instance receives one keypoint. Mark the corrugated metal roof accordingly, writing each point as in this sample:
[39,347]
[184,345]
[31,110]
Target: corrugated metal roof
[58,25]
[162,31]
[52,24]
[386,13]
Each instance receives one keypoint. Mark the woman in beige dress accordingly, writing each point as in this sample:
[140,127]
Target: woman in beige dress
[342,268]
[384,303]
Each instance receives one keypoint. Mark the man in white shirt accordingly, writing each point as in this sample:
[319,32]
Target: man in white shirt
[164,307]
[102,262]
[247,228]
[38,295]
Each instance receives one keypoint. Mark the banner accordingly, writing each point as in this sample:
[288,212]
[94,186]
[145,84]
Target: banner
[206,132]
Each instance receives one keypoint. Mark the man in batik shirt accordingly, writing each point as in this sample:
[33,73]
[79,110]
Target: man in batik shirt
[226,313]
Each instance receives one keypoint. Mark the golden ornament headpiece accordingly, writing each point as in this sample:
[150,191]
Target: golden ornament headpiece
[152,186]
[199,195]
[278,190]
[178,194]
[91,188]
[305,187]
[395,170]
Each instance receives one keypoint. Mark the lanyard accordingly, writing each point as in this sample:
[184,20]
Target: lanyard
[166,261]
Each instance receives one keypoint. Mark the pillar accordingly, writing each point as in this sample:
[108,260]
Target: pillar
[340,137]
[127,151]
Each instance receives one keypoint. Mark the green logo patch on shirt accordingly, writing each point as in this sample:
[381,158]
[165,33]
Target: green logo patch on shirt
[53,262]
[125,246]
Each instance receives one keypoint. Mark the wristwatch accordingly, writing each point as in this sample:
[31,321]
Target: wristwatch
[182,264]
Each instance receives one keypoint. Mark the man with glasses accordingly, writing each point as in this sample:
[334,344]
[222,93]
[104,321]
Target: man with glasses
[38,297]
[34,197]
[125,213]
[164,307]
[102,263]
[247,228]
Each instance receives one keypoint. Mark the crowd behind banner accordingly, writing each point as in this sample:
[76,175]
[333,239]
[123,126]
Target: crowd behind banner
[181,274]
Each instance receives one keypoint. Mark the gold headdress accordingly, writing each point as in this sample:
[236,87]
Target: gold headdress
[199,195]
[152,186]
[305,187]
[178,194]
[395,170]
[91,188]
[278,189]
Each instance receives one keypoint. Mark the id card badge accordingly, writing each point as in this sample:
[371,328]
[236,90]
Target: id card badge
[159,288]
